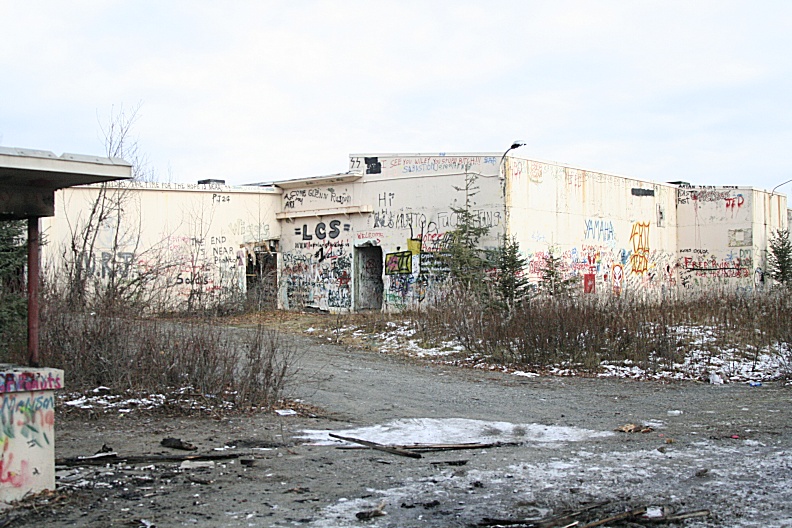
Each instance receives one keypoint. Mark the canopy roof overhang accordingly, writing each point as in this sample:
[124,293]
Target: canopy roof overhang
[29,178]
[28,181]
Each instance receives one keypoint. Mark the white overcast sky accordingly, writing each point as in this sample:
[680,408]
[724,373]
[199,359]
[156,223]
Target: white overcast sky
[255,91]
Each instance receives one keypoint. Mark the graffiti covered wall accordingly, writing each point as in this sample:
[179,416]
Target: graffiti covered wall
[186,238]
[613,233]
[723,235]
[402,204]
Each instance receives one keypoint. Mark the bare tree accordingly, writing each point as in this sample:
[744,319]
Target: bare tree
[106,272]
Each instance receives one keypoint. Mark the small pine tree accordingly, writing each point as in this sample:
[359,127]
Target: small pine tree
[780,257]
[466,261]
[511,282]
[552,280]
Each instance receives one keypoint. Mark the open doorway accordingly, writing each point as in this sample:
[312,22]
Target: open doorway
[368,278]
[262,275]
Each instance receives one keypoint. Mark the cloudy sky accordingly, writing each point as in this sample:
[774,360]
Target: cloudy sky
[257,91]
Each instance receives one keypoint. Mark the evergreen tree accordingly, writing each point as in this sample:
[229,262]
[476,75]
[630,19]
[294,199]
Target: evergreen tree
[780,257]
[552,280]
[511,282]
[13,300]
[466,261]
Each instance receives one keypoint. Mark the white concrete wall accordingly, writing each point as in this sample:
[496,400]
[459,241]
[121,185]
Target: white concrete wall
[403,205]
[619,231]
[192,233]
[372,239]
[723,235]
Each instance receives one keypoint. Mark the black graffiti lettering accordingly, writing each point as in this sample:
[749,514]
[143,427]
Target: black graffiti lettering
[334,231]
[320,231]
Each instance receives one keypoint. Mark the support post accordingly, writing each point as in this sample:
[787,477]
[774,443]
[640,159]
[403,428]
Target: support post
[33,292]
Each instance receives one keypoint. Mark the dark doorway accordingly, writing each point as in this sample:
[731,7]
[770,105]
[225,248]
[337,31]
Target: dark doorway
[368,278]
[262,276]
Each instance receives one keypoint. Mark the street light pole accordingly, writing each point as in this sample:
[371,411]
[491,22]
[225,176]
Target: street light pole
[515,144]
[776,187]
[502,173]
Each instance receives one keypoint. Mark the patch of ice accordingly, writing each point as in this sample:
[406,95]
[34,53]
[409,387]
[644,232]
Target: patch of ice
[455,430]
[525,374]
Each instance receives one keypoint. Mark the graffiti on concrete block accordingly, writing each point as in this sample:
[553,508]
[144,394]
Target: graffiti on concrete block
[28,381]
[28,417]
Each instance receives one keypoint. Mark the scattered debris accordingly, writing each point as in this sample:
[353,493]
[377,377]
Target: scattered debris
[431,504]
[199,480]
[254,443]
[379,447]
[634,428]
[426,448]
[197,464]
[113,458]
[370,514]
[177,443]
[632,514]
[285,412]
[676,518]
[298,490]
[563,520]
[450,463]
[642,515]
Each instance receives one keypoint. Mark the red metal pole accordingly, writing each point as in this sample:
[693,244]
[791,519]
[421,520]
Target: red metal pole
[33,291]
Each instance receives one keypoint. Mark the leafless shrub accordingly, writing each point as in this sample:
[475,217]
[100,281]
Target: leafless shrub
[187,361]
[267,362]
[584,331]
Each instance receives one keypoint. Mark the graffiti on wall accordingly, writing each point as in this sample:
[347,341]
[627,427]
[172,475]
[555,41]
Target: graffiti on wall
[399,263]
[325,197]
[428,164]
[601,266]
[639,238]
[322,230]
[318,271]
[685,196]
[600,231]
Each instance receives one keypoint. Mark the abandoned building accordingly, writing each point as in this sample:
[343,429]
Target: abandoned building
[373,237]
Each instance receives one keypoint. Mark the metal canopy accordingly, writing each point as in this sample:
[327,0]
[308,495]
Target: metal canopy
[28,181]
[29,178]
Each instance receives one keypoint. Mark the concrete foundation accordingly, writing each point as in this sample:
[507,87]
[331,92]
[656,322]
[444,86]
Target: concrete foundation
[28,430]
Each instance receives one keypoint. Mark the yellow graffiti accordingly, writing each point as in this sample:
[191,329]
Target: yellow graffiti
[639,260]
[414,246]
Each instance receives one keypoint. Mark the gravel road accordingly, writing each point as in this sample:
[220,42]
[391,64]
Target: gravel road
[722,448]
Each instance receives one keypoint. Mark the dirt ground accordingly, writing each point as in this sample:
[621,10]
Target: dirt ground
[726,449]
